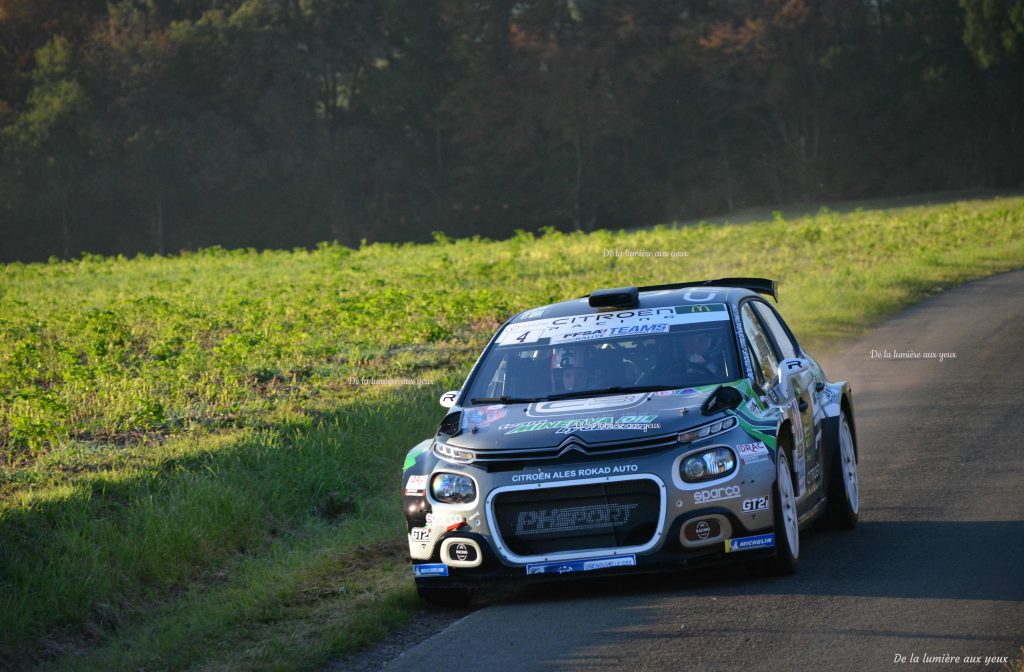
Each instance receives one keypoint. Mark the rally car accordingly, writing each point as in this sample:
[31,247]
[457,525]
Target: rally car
[634,428]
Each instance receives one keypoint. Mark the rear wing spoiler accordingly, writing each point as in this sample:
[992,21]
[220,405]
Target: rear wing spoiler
[759,285]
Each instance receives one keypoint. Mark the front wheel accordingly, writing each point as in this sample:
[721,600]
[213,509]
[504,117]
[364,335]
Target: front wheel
[787,524]
[843,482]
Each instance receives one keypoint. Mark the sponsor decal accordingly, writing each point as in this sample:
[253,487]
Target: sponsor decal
[752,453]
[608,325]
[815,473]
[581,565]
[449,397]
[444,518]
[586,405]
[416,485]
[584,472]
[461,552]
[481,417]
[755,504]
[700,296]
[749,543]
[702,308]
[641,422]
[573,518]
[716,494]
[742,340]
[424,571]
[685,392]
[703,529]
[420,533]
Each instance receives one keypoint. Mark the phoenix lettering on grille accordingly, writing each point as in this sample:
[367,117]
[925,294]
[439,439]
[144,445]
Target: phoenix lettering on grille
[573,519]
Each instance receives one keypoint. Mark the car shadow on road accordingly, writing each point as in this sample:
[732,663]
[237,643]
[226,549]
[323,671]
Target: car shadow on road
[976,560]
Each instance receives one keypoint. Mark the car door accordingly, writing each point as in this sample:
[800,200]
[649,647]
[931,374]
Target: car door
[792,399]
[804,387]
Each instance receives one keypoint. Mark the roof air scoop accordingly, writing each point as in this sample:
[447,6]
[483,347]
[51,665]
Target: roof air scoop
[619,297]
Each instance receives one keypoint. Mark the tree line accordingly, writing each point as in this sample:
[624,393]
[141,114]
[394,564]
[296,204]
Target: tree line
[159,125]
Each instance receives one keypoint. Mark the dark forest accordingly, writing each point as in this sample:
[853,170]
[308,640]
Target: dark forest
[156,125]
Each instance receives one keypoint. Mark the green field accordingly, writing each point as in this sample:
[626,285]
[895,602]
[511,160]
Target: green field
[197,471]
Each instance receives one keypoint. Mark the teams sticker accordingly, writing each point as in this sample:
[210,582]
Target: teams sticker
[581,565]
[751,453]
[424,571]
[749,543]
[606,325]
[416,485]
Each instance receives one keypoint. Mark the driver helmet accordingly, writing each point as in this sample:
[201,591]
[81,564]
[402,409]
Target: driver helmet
[569,369]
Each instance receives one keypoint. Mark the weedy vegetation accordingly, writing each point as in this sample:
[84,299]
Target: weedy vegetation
[195,471]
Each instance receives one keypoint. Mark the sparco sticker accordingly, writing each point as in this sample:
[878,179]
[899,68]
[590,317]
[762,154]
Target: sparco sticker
[752,452]
[716,494]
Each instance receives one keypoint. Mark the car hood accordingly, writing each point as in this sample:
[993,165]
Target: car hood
[623,417]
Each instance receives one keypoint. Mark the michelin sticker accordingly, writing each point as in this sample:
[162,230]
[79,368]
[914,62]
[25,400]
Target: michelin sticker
[424,571]
[749,543]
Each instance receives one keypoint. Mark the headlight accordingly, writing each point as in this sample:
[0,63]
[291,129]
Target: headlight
[711,464]
[453,488]
[453,454]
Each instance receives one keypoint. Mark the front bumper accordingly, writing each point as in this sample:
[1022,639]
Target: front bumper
[695,525]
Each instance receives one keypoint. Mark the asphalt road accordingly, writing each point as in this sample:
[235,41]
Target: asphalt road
[935,567]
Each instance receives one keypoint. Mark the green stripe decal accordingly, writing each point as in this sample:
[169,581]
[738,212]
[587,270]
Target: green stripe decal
[412,455]
[768,439]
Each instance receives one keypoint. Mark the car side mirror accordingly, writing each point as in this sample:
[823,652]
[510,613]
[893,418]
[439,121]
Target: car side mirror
[448,398]
[790,368]
[721,398]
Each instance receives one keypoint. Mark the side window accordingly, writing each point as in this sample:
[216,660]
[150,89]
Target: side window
[761,349]
[786,346]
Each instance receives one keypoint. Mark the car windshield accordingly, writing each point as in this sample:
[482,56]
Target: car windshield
[669,355]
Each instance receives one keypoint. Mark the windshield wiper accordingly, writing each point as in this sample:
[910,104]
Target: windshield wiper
[611,390]
[506,400]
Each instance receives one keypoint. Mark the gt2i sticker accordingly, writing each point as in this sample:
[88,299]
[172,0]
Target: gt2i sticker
[416,485]
[424,571]
[752,452]
[749,543]
[755,504]
[420,534]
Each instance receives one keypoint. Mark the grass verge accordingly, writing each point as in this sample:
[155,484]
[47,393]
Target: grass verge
[196,471]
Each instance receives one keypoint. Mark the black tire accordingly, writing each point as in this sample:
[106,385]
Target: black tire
[447,597]
[787,559]
[842,512]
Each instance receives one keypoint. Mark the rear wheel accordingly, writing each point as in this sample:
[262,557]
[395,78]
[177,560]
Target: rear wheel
[445,596]
[843,482]
[787,524]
